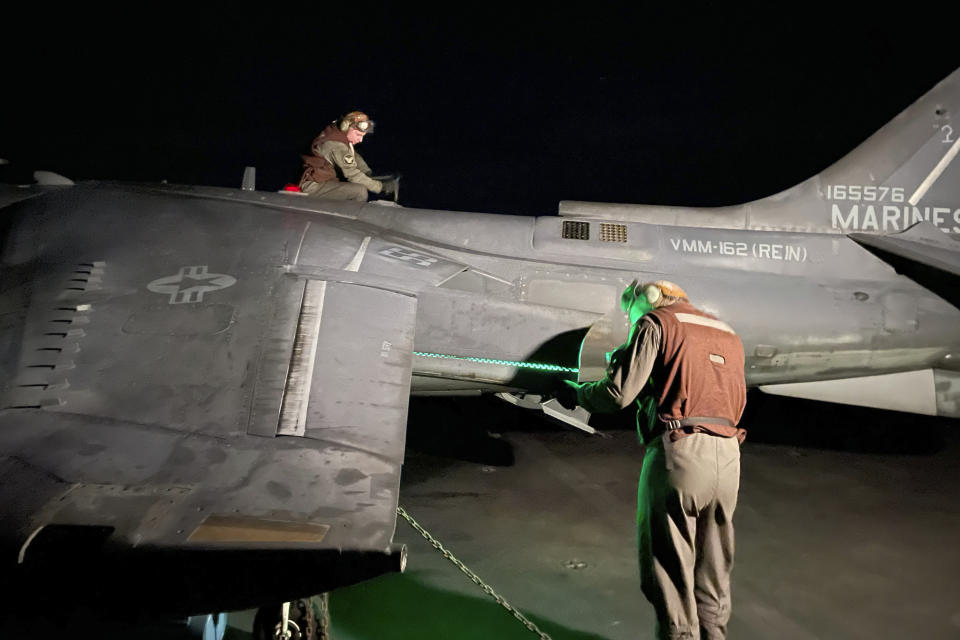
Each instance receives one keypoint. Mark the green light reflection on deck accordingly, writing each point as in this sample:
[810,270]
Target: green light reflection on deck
[537,366]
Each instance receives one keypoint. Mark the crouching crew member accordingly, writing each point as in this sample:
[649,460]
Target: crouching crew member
[685,369]
[336,171]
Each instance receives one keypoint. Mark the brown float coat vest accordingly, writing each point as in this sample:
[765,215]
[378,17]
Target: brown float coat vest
[699,371]
[316,168]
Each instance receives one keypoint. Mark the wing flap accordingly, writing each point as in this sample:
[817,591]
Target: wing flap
[359,395]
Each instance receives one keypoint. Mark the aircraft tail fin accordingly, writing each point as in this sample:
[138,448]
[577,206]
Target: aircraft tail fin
[913,153]
[906,172]
[903,174]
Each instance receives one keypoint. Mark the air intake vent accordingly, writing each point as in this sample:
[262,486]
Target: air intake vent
[576,230]
[613,232]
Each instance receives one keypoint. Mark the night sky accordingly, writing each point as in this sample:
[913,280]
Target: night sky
[501,111]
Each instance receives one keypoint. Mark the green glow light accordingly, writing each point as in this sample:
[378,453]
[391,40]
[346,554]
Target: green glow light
[538,366]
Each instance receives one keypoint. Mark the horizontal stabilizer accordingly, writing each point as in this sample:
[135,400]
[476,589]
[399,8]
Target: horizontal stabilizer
[923,253]
[922,243]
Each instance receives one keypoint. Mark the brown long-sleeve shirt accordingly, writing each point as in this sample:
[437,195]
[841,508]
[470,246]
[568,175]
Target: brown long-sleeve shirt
[628,372]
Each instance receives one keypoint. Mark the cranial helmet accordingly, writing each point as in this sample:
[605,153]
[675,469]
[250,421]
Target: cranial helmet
[653,293]
[357,120]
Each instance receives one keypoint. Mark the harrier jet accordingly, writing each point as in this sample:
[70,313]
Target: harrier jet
[203,391]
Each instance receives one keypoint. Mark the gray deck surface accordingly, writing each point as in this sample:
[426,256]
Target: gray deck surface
[830,543]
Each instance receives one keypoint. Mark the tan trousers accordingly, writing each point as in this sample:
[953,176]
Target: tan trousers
[335,190]
[685,504]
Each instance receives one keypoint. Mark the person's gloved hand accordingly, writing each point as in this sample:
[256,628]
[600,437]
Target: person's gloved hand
[567,394]
[388,189]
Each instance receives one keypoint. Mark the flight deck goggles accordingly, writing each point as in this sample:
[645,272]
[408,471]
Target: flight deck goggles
[357,120]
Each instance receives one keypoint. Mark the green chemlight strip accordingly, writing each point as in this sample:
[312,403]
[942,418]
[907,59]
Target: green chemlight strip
[538,366]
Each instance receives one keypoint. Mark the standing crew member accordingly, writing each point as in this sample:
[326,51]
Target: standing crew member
[688,419]
[335,170]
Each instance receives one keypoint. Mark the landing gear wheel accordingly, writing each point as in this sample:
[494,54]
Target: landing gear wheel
[303,622]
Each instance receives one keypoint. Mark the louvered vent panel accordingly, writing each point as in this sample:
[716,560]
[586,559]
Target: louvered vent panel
[576,230]
[613,232]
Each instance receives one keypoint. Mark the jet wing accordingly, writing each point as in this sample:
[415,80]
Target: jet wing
[922,253]
[197,438]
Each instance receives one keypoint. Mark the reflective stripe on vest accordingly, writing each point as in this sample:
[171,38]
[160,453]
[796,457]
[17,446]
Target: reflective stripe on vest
[713,323]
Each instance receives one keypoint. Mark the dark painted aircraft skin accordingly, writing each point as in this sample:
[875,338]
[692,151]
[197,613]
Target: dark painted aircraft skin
[209,386]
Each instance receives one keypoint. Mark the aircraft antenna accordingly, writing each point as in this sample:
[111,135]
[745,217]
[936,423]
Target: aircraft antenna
[249,179]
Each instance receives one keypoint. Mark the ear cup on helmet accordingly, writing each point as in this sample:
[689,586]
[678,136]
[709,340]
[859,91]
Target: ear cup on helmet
[652,293]
[344,124]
